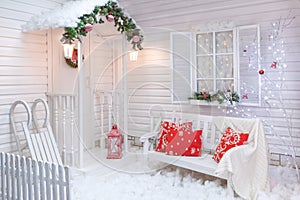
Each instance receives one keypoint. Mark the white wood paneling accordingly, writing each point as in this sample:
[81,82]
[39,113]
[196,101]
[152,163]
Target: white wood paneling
[148,82]
[24,60]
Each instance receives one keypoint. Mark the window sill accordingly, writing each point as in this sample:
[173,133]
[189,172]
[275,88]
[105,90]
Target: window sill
[214,103]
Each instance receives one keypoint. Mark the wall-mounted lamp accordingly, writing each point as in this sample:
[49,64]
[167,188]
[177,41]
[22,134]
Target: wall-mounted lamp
[68,48]
[133,55]
[70,53]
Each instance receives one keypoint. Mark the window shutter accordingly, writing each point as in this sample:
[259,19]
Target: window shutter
[181,61]
[248,47]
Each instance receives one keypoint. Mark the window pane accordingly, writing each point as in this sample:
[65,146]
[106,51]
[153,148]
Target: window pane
[205,85]
[205,67]
[224,66]
[225,85]
[204,43]
[224,42]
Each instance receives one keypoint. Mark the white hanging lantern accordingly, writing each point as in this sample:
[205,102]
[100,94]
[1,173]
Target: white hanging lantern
[133,55]
[68,49]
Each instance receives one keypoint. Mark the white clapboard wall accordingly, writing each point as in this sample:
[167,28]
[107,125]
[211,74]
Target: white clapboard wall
[23,178]
[25,61]
[149,79]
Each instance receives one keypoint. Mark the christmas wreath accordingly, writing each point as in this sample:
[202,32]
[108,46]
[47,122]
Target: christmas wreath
[109,12]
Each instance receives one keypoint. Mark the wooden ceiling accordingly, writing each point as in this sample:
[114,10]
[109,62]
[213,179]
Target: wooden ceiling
[181,14]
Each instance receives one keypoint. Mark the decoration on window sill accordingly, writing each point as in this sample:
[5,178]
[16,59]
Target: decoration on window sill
[219,96]
[109,12]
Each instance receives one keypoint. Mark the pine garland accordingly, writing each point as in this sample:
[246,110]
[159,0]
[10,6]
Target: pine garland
[220,96]
[113,13]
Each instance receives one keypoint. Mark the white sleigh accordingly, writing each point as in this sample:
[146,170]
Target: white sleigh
[41,143]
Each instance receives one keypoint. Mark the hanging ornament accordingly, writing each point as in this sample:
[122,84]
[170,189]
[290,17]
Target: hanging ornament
[135,38]
[88,27]
[274,65]
[245,96]
[245,52]
[110,18]
[261,72]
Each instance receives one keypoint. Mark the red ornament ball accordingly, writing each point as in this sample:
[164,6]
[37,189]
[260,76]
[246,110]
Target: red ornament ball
[261,72]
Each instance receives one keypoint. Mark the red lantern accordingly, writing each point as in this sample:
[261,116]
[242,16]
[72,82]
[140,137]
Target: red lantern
[114,145]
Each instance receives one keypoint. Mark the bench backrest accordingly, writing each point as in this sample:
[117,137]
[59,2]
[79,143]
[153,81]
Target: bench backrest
[210,137]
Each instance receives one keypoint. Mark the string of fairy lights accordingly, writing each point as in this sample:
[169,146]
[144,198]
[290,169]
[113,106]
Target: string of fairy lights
[272,74]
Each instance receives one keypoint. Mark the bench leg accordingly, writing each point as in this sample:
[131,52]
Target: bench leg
[230,192]
[145,154]
[177,178]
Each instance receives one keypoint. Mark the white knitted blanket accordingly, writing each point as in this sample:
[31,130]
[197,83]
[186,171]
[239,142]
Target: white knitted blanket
[246,165]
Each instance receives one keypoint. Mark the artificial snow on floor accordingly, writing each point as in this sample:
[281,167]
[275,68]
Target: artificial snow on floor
[127,179]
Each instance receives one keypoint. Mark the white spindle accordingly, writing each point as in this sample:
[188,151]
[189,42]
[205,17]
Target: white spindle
[12,174]
[56,116]
[109,102]
[23,174]
[29,178]
[67,183]
[48,183]
[53,178]
[41,179]
[2,176]
[61,181]
[64,110]
[35,181]
[18,177]
[72,111]
[117,107]
[102,136]
[8,180]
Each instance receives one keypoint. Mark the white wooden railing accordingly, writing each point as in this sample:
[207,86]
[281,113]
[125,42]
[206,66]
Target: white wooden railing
[107,105]
[23,178]
[64,107]
[64,116]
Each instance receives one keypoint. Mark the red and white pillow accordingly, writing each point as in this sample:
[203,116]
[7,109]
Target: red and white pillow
[184,143]
[179,139]
[229,139]
[167,130]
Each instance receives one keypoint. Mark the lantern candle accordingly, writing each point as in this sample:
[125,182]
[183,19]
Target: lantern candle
[114,145]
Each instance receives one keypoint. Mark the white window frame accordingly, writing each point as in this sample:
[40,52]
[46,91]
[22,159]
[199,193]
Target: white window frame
[236,64]
[214,54]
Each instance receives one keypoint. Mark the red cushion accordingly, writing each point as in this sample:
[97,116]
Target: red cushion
[185,142]
[167,129]
[229,139]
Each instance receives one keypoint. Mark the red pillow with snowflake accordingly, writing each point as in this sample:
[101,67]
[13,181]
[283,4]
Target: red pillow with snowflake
[185,143]
[167,130]
[229,139]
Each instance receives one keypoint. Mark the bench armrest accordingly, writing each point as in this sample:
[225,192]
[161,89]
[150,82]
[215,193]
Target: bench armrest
[148,136]
[145,140]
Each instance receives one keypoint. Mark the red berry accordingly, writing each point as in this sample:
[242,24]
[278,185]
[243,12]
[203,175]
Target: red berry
[261,72]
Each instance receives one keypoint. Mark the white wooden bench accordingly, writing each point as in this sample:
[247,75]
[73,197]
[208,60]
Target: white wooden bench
[210,139]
